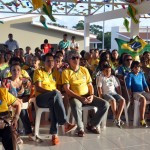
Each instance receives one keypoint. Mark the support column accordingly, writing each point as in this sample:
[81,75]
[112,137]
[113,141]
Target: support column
[86,36]
[134,28]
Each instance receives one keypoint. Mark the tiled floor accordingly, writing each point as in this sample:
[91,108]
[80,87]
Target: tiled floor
[112,138]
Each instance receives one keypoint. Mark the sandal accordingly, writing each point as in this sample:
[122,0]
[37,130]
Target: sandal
[81,133]
[93,129]
[19,140]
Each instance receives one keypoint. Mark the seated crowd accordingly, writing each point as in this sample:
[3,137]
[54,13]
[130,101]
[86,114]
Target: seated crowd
[63,78]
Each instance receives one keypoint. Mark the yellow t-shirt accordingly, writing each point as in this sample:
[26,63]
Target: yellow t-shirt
[6,99]
[48,80]
[24,74]
[78,80]
[57,75]
[94,64]
[25,67]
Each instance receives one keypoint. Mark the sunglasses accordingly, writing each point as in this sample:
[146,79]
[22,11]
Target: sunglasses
[128,59]
[74,57]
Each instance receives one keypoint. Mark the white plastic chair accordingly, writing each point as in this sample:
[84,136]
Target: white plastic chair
[39,112]
[85,110]
[136,117]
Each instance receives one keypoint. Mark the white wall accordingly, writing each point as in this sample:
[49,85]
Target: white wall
[33,36]
[114,31]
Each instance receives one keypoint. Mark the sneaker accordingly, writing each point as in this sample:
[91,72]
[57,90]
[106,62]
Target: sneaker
[93,129]
[81,133]
[143,123]
[70,127]
[55,140]
[121,122]
[118,123]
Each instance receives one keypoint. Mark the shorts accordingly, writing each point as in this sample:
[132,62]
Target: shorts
[115,97]
[138,95]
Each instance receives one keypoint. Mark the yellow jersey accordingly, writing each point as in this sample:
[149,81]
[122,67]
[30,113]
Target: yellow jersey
[47,80]
[78,80]
[57,75]
[24,74]
[6,99]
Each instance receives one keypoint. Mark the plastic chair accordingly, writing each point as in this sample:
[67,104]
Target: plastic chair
[136,116]
[85,110]
[39,112]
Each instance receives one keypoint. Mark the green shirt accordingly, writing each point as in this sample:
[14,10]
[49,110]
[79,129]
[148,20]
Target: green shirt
[63,44]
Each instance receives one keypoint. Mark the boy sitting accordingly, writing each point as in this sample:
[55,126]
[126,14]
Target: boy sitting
[107,86]
[138,88]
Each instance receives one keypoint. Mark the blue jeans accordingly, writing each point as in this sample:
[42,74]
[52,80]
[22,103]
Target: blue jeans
[25,121]
[53,100]
[102,108]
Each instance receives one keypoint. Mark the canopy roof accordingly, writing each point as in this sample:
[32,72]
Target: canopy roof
[65,7]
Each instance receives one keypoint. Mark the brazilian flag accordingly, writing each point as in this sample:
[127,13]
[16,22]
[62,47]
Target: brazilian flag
[134,47]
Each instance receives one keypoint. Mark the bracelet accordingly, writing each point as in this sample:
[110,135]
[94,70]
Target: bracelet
[91,94]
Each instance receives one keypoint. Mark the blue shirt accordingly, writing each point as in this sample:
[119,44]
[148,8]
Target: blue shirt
[122,70]
[136,83]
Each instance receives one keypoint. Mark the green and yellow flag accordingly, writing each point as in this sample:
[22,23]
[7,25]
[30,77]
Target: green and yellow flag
[134,47]
[132,12]
[37,4]
[126,24]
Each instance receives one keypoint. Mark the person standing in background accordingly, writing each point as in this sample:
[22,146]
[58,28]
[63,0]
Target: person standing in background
[64,44]
[12,44]
[46,47]
[74,45]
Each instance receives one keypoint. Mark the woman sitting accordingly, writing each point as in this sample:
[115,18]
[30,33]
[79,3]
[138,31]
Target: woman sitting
[20,87]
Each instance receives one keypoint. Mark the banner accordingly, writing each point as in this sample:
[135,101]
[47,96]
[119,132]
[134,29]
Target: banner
[134,47]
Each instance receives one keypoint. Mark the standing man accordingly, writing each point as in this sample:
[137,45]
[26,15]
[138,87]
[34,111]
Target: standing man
[74,45]
[12,44]
[64,44]
[78,85]
[46,47]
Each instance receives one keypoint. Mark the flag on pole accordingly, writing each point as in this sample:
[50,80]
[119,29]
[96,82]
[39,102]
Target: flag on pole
[47,8]
[132,12]
[126,24]
[37,4]
[43,21]
[134,47]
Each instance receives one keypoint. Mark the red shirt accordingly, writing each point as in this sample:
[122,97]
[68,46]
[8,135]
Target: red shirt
[46,48]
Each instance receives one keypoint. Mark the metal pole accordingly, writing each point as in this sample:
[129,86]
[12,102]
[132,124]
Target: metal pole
[103,31]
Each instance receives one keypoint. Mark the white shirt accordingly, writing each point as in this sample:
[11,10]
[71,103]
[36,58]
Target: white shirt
[108,84]
[12,45]
[74,45]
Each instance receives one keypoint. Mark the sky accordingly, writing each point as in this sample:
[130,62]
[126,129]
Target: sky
[68,21]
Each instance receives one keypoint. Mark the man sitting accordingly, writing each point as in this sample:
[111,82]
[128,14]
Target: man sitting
[78,85]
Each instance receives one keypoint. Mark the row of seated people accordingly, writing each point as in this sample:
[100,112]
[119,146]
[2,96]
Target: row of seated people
[48,96]
[77,84]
